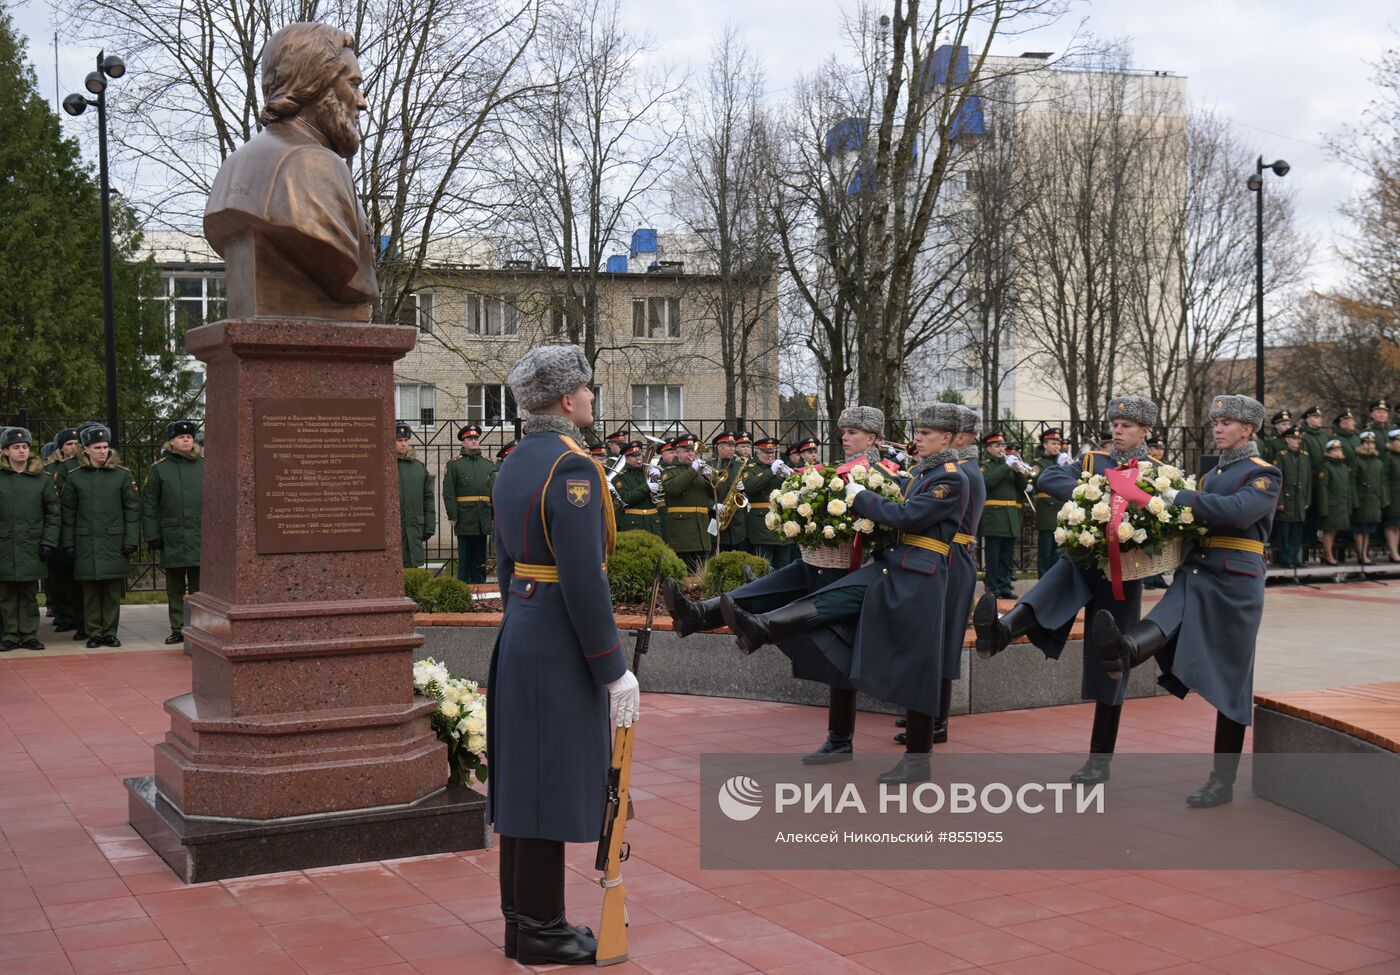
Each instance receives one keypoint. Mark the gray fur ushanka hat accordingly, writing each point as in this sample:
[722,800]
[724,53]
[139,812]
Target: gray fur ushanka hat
[970,420]
[1139,409]
[546,373]
[1236,406]
[939,416]
[866,418]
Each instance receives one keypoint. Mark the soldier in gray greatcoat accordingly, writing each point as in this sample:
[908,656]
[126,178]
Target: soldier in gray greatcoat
[558,676]
[1047,612]
[1203,631]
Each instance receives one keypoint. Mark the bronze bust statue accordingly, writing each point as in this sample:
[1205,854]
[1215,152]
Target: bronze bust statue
[283,212]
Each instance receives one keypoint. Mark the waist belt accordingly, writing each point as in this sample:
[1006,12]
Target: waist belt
[690,511]
[961,539]
[539,573]
[1237,544]
[639,511]
[1042,494]
[474,497]
[760,505]
[1003,504]
[923,541]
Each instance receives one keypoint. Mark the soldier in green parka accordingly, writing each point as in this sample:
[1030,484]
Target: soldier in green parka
[1379,422]
[731,468]
[466,496]
[1294,499]
[172,504]
[1001,515]
[101,527]
[29,519]
[1344,431]
[1391,521]
[765,477]
[1372,495]
[63,592]
[689,486]
[1046,507]
[636,488]
[1271,440]
[417,508]
[1334,498]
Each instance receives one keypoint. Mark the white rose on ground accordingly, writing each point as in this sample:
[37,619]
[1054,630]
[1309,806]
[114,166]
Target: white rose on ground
[1086,539]
[836,507]
[1140,535]
[1101,512]
[790,499]
[859,475]
[865,526]
[771,521]
[1125,531]
[1185,516]
[791,529]
[449,709]
[476,743]
[804,509]
[1092,493]
[1155,506]
[876,479]
[836,484]
[1060,535]
[1076,517]
[1162,484]
[828,532]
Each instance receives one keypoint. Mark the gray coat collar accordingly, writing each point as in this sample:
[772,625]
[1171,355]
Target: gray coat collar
[551,423]
[1248,449]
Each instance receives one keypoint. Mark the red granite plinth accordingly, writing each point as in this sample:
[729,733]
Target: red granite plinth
[301,698]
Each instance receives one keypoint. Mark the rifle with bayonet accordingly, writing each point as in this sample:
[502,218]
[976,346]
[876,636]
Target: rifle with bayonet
[612,847]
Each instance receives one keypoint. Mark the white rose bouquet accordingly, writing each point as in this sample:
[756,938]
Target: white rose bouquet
[460,718]
[1083,521]
[812,506]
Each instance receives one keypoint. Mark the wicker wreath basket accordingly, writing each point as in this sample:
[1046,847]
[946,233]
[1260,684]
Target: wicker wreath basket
[1139,564]
[831,556]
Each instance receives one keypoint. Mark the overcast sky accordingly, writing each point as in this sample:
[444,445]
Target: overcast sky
[1287,72]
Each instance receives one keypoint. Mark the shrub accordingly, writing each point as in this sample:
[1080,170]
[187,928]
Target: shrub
[413,580]
[631,567]
[725,572]
[445,594]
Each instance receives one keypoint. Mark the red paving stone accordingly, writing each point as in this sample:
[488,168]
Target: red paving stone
[80,892]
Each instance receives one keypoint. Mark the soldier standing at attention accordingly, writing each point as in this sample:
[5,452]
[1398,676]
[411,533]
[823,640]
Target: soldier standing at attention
[63,592]
[1344,430]
[1334,499]
[1372,496]
[1294,500]
[1271,443]
[417,509]
[171,508]
[1001,516]
[1047,612]
[689,485]
[101,526]
[730,467]
[1204,629]
[558,676]
[1046,507]
[1315,446]
[1380,419]
[29,513]
[763,478]
[1391,522]
[637,489]
[466,496]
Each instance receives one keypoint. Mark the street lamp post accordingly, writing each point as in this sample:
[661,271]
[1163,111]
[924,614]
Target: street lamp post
[1255,183]
[108,66]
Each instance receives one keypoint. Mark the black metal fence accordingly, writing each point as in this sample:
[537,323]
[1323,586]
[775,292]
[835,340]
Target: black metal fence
[139,443]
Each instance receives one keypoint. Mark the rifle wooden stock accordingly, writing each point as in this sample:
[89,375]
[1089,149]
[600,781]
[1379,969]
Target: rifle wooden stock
[612,932]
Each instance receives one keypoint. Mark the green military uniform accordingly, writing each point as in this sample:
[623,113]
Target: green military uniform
[1350,439]
[1295,498]
[1392,469]
[1381,428]
[759,483]
[1046,510]
[29,517]
[64,594]
[417,508]
[171,509]
[1271,440]
[467,481]
[1001,520]
[690,501]
[1335,496]
[1372,492]
[638,512]
[735,537]
[101,528]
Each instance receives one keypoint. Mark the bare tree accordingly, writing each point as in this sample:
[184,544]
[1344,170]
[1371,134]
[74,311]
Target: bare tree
[1343,352]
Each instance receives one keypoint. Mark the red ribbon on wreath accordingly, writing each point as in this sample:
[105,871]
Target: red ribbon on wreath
[844,472]
[1123,490]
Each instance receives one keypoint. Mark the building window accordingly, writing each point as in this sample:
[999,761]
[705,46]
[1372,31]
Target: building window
[656,403]
[411,399]
[492,316]
[191,300]
[420,311]
[656,318]
[490,402]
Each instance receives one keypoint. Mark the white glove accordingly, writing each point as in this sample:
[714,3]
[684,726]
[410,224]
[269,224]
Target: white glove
[698,464]
[1169,495]
[1064,459]
[654,471]
[718,508]
[852,489]
[901,456]
[653,485]
[624,700]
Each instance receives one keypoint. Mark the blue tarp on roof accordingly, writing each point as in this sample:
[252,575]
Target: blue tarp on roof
[643,241]
[617,264]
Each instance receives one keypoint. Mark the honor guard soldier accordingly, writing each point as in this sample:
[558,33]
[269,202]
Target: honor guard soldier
[1203,631]
[1047,612]
[417,508]
[637,489]
[860,622]
[1380,419]
[1334,498]
[29,512]
[1001,515]
[689,486]
[1046,507]
[1344,430]
[172,505]
[1372,496]
[730,485]
[616,443]
[101,527]
[62,590]
[1295,498]
[558,679]
[466,496]
[765,477]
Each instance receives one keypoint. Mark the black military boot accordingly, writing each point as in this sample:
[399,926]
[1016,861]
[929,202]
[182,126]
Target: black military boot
[689,617]
[910,768]
[1218,790]
[1103,738]
[512,938]
[1121,652]
[554,942]
[836,748]
[754,630]
[995,632]
[1093,771]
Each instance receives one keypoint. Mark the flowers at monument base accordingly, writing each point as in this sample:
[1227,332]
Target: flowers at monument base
[813,505]
[1083,521]
[459,720]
